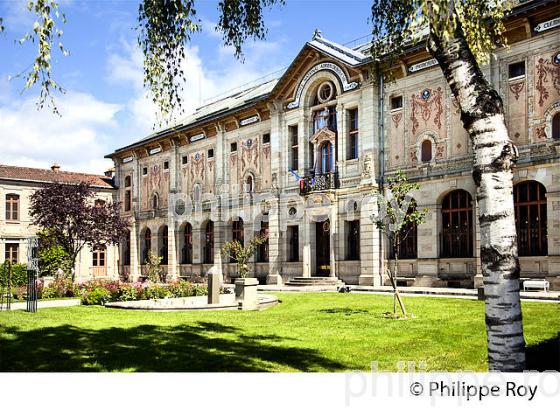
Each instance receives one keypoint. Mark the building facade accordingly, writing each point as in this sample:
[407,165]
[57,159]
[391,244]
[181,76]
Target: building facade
[17,184]
[302,157]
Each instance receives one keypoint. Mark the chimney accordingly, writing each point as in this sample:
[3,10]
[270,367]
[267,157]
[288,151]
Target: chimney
[110,172]
[55,167]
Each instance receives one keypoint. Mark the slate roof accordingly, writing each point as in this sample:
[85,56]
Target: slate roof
[13,173]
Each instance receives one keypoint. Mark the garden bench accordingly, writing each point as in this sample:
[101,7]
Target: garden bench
[536,284]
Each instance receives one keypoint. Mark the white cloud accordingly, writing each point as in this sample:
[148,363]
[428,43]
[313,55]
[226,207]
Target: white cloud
[77,140]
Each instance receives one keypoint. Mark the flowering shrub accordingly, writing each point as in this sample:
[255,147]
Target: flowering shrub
[99,292]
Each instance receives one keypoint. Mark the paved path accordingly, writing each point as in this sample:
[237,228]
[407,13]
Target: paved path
[46,304]
[552,296]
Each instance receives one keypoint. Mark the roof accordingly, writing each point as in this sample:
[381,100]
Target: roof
[215,109]
[350,56]
[14,173]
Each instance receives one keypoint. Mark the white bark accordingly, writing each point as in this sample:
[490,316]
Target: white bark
[494,155]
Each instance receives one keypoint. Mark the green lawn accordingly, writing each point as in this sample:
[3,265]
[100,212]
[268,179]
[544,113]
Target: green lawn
[307,332]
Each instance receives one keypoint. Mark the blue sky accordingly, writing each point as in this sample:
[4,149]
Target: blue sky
[105,105]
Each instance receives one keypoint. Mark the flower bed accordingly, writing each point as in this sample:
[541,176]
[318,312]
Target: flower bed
[99,292]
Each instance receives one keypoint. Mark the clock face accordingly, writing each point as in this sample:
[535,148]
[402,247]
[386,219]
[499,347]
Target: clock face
[426,94]
[197,156]
[556,59]
[249,143]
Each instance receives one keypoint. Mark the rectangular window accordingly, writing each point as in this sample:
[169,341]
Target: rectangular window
[233,147]
[293,243]
[12,252]
[517,69]
[210,153]
[353,136]
[353,240]
[12,207]
[166,165]
[293,132]
[185,159]
[145,171]
[396,102]
[266,138]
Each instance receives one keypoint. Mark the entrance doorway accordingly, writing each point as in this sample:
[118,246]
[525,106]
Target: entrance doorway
[322,252]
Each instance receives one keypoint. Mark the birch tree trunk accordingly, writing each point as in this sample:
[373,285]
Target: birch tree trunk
[482,116]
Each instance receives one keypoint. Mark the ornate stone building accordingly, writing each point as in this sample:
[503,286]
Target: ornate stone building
[17,184]
[296,156]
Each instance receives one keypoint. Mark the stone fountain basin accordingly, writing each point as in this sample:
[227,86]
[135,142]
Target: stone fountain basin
[227,302]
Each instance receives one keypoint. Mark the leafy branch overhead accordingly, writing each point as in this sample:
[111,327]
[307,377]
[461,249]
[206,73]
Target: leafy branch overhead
[398,24]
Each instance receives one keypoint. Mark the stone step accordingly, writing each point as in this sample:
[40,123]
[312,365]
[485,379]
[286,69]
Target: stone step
[315,281]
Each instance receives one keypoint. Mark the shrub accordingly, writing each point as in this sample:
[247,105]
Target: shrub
[126,293]
[96,296]
[19,274]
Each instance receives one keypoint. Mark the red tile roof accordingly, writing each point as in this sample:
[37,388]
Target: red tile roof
[47,175]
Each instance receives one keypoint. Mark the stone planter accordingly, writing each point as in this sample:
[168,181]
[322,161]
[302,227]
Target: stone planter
[246,293]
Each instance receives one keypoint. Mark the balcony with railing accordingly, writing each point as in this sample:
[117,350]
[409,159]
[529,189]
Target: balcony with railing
[318,183]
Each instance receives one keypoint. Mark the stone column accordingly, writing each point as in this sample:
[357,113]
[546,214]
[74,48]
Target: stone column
[478,278]
[275,254]
[342,133]
[553,238]
[333,219]
[308,254]
[371,255]
[135,251]
[428,246]
[171,252]
[199,240]
[219,239]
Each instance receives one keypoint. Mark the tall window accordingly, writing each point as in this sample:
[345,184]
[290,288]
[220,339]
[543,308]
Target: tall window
[155,201]
[293,243]
[126,250]
[353,240]
[99,259]
[12,252]
[293,131]
[326,157]
[147,245]
[456,213]
[556,126]
[164,245]
[530,218]
[249,184]
[188,246]
[209,243]
[12,207]
[128,193]
[408,239]
[262,254]
[353,136]
[237,231]
[426,154]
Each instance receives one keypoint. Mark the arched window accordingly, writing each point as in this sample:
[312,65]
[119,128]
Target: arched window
[164,245]
[155,201]
[456,214]
[209,243]
[147,245]
[188,246]
[262,254]
[556,126]
[426,154]
[12,207]
[529,199]
[249,184]
[326,157]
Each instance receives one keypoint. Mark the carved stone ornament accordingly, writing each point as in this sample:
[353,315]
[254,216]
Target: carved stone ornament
[346,86]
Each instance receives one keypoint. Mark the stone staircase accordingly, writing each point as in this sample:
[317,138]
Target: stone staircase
[315,281]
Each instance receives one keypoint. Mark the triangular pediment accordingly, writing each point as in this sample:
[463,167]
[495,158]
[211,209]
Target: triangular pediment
[316,55]
[321,135]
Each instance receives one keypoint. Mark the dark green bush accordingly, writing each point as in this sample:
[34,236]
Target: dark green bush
[96,296]
[19,274]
